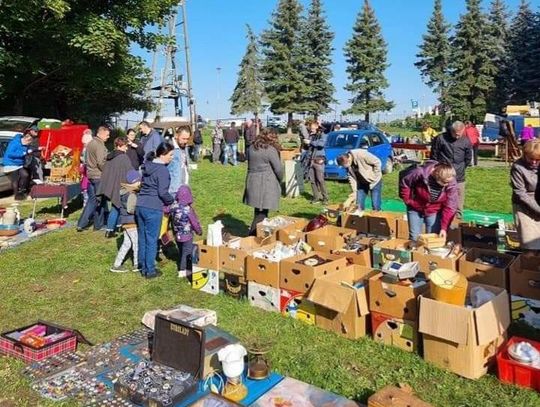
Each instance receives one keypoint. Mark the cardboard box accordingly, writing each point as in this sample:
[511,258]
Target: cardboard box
[453,233]
[208,255]
[383,224]
[297,276]
[525,277]
[333,214]
[391,396]
[288,154]
[233,259]
[205,280]
[360,258]
[295,305]
[391,250]
[486,273]
[263,271]
[264,297]
[341,303]
[394,331]
[355,222]
[233,285]
[429,262]
[479,237]
[328,238]
[464,340]
[397,300]
[291,234]
[271,232]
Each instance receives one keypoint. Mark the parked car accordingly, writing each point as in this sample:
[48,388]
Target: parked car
[275,121]
[5,185]
[340,142]
[11,125]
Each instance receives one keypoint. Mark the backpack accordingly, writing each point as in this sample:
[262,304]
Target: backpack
[180,220]
[131,203]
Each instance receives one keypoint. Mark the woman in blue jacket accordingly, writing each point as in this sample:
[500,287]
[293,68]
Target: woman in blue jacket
[14,156]
[153,197]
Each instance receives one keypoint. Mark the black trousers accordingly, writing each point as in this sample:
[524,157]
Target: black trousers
[258,217]
[20,181]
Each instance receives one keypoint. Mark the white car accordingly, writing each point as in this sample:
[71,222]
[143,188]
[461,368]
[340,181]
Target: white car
[5,185]
[11,125]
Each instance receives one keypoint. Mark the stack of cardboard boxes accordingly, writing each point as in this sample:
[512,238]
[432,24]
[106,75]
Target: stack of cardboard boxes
[344,290]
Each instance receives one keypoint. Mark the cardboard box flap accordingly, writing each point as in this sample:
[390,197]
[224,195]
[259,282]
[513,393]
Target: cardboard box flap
[492,319]
[331,295]
[444,321]
[362,301]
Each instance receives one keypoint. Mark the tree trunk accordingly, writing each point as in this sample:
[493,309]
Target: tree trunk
[289,123]
[367,117]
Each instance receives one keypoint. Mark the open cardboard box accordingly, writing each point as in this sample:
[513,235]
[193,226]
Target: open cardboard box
[479,237]
[464,340]
[268,231]
[355,222]
[393,331]
[341,301]
[299,277]
[263,271]
[383,224]
[391,250]
[328,238]
[233,255]
[288,154]
[360,258]
[486,273]
[525,277]
[429,262]
[291,234]
[208,255]
[264,297]
[205,280]
[395,299]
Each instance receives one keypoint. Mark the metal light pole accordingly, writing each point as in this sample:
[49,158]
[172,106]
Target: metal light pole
[191,100]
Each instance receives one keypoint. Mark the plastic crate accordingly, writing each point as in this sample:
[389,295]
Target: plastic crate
[513,372]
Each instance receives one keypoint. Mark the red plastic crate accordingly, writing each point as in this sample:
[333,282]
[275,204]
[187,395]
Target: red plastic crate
[517,373]
[29,354]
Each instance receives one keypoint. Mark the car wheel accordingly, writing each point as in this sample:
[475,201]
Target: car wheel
[389,166]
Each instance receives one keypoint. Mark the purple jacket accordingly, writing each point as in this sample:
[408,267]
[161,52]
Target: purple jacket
[527,133]
[183,216]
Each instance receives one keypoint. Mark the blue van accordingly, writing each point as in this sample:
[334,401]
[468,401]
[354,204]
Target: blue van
[342,141]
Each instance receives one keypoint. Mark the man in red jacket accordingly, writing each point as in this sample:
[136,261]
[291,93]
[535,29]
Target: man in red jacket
[474,137]
[431,194]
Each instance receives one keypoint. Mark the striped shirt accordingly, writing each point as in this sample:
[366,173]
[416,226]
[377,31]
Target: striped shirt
[435,189]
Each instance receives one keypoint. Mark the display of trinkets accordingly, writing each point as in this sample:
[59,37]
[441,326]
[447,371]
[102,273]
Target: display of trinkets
[114,401]
[159,385]
[134,338]
[53,365]
[352,243]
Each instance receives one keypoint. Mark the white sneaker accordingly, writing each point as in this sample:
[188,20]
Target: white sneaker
[182,273]
[37,181]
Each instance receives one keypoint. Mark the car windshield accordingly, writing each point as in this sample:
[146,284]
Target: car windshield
[342,140]
[14,125]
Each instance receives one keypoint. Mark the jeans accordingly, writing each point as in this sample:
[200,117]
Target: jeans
[95,207]
[230,148]
[318,186]
[216,152]
[416,220]
[258,216]
[112,220]
[130,243]
[185,250]
[195,152]
[376,196]
[148,226]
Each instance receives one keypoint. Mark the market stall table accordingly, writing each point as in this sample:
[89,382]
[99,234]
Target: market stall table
[423,149]
[65,192]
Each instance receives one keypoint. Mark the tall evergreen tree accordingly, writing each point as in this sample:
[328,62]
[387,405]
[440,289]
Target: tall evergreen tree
[434,56]
[366,57]
[472,71]
[520,69]
[498,32]
[249,90]
[281,74]
[315,59]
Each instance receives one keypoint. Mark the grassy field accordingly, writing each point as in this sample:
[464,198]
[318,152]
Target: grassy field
[64,277]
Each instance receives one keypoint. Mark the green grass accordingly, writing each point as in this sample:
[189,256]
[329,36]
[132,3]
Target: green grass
[64,277]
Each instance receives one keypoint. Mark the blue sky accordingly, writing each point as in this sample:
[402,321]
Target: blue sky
[217,35]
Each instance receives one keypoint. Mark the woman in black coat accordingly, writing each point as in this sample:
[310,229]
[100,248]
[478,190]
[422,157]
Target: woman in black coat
[263,181]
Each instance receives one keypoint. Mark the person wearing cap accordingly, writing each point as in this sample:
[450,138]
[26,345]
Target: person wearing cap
[128,200]
[114,173]
[33,161]
[96,157]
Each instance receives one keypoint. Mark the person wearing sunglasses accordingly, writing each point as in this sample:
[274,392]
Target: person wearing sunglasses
[430,192]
